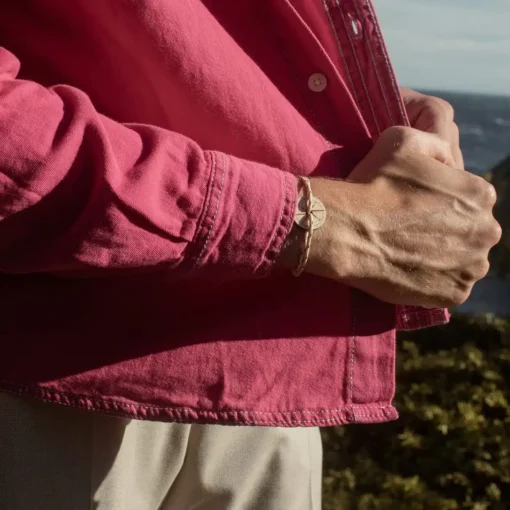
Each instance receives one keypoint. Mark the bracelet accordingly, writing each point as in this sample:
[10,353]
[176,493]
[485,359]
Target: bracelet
[310,215]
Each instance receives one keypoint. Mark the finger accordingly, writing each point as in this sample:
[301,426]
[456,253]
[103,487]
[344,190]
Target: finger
[449,131]
[456,150]
[435,146]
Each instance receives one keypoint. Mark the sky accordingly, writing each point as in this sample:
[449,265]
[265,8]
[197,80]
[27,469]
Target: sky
[458,45]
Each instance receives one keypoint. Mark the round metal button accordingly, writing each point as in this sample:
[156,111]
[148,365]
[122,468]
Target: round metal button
[317,82]
[318,214]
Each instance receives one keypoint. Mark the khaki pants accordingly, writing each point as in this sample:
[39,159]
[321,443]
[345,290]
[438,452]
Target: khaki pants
[56,458]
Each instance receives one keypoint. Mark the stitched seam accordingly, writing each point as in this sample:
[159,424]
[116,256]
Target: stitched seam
[376,67]
[340,49]
[421,325]
[393,383]
[210,189]
[213,220]
[26,388]
[354,52]
[353,347]
[421,312]
[331,421]
[386,57]
[280,226]
[411,318]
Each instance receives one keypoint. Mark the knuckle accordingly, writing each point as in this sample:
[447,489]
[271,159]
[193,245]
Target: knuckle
[484,191]
[459,297]
[446,146]
[463,296]
[469,276]
[445,106]
[491,234]
[491,195]
[450,302]
[397,130]
[455,133]
[481,270]
[397,135]
[449,110]
[398,140]
[495,232]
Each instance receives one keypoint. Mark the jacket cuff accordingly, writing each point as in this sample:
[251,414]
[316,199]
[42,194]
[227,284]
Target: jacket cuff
[248,213]
[410,318]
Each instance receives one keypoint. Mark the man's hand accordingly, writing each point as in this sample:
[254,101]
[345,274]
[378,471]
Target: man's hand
[433,115]
[406,228]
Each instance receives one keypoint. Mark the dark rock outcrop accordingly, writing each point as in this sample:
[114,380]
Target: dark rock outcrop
[499,176]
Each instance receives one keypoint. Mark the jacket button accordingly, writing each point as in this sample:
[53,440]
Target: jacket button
[317,82]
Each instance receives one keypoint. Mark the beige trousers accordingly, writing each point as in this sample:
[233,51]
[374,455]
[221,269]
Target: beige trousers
[56,458]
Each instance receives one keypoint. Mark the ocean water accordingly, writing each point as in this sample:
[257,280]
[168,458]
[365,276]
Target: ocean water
[484,124]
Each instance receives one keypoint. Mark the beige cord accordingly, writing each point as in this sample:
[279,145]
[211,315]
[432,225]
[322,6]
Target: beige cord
[305,254]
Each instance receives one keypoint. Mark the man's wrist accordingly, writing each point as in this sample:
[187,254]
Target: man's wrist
[328,257]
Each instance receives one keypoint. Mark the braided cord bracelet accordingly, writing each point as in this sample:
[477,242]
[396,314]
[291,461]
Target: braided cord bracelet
[310,215]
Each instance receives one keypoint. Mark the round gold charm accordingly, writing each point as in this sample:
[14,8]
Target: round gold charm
[318,213]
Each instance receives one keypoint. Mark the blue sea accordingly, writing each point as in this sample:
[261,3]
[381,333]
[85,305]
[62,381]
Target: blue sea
[484,123]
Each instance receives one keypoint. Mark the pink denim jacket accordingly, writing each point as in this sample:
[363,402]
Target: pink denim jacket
[147,153]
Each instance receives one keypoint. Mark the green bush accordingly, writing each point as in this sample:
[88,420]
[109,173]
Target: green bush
[450,449]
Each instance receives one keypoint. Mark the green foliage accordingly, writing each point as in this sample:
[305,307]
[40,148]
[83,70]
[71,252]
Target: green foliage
[450,449]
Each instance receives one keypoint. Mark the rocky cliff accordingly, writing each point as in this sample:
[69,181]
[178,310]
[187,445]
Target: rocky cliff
[500,177]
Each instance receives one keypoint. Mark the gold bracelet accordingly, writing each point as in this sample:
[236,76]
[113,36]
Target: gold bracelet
[310,215]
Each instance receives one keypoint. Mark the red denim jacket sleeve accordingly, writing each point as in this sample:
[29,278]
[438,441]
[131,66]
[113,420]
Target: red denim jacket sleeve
[80,193]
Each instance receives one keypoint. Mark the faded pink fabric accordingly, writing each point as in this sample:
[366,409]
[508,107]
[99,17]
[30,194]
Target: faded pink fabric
[147,158]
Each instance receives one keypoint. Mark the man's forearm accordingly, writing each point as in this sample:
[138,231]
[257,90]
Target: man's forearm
[406,227]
